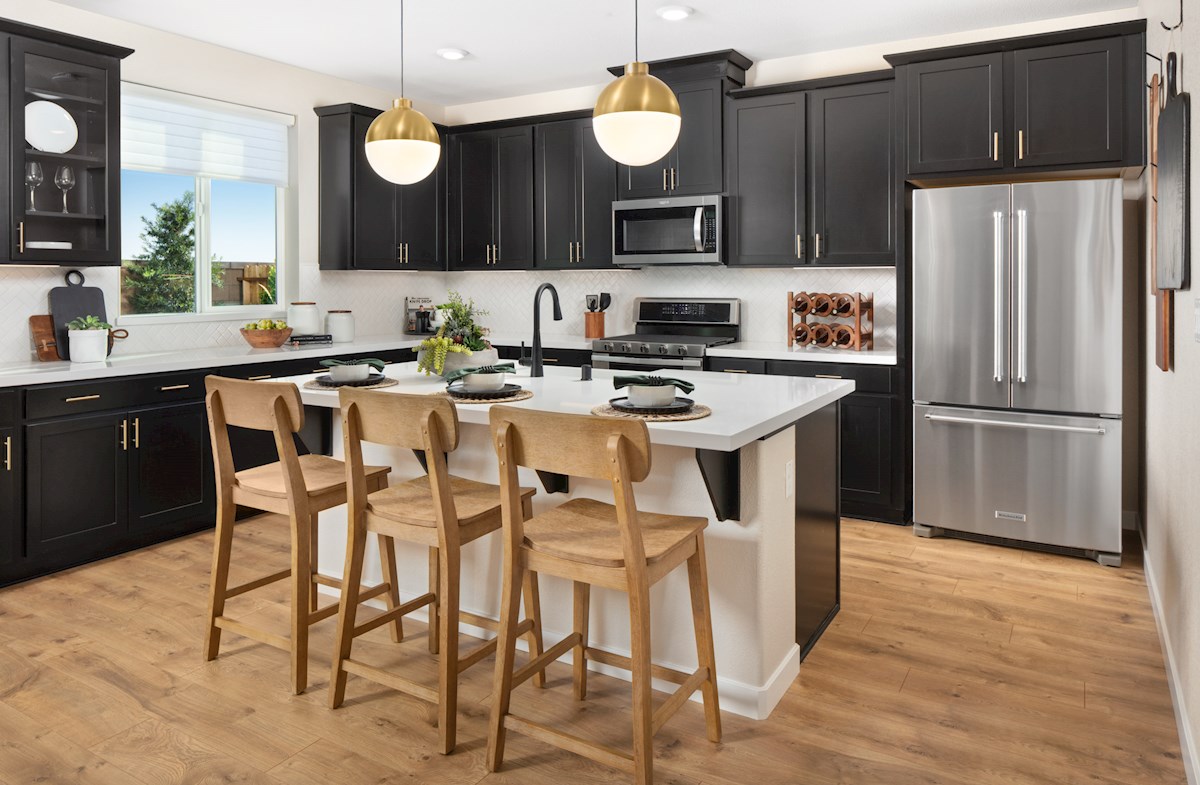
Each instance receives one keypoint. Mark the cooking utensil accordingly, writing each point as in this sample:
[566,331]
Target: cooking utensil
[593,302]
[605,300]
[1174,140]
[42,329]
[71,302]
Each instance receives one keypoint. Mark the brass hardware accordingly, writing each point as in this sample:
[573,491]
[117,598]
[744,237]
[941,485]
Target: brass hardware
[125,435]
[488,252]
[578,252]
[817,246]
[665,179]
[799,247]
[79,398]
[996,146]
[137,432]
[399,253]
[637,91]
[826,376]
[549,359]
[406,253]
[171,387]
[258,378]
[8,454]
[495,253]
[674,182]
[1021,145]
[571,253]
[736,370]
[21,237]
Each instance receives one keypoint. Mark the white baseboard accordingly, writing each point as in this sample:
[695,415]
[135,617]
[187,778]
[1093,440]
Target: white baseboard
[736,697]
[1191,763]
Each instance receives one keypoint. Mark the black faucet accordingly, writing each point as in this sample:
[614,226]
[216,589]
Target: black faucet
[535,358]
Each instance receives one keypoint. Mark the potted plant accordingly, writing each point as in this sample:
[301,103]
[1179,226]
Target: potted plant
[88,339]
[352,370]
[460,341]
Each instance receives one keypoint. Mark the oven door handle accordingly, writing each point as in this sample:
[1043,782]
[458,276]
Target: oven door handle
[697,224]
[655,362]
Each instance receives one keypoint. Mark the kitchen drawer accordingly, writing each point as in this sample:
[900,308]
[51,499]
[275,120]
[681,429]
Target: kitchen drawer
[572,357]
[736,365]
[867,378]
[275,370]
[8,407]
[62,400]
[167,388]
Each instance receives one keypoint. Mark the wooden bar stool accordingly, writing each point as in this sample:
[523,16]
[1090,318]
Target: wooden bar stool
[298,486]
[439,511]
[593,543]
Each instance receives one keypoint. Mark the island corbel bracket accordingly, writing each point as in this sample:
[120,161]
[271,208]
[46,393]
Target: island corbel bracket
[722,473]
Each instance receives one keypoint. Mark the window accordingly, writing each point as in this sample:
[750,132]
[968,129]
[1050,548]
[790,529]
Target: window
[202,193]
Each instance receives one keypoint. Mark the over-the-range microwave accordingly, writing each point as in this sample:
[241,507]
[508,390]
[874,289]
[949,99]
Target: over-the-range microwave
[676,230]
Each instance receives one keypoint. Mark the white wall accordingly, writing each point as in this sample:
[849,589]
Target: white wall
[1172,516]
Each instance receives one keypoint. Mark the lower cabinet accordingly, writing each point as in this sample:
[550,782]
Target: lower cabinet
[170,466]
[551,357]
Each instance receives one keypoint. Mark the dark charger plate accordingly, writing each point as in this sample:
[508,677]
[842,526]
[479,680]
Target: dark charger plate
[456,390]
[678,406]
[327,381]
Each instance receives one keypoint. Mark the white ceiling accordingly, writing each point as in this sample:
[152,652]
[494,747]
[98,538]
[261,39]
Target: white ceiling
[520,47]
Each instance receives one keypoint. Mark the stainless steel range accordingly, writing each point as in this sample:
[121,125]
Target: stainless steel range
[670,333]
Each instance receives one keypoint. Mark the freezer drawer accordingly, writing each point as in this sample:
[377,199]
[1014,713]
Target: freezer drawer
[1049,479]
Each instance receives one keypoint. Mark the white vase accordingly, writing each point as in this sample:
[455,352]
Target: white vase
[88,346]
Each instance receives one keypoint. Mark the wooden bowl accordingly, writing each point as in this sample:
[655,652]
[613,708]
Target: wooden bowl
[267,339]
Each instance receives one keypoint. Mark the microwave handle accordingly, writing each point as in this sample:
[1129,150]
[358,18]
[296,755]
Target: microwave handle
[696,226]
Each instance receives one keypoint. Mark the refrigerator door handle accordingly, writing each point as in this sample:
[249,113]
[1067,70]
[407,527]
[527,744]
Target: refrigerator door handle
[998,296]
[1022,425]
[1022,296]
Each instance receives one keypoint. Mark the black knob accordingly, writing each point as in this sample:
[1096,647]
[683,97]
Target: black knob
[681,350]
[662,349]
[607,347]
[645,349]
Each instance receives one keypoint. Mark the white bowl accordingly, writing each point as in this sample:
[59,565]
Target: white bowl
[483,382]
[349,373]
[650,395]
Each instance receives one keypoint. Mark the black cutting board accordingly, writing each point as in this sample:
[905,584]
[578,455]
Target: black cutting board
[1174,141]
[71,302]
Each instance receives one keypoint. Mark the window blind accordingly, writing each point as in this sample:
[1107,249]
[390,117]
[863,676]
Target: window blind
[165,131]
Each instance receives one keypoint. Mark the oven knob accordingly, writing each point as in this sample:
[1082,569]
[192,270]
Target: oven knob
[623,347]
[662,348]
[645,348]
[607,345]
[681,350]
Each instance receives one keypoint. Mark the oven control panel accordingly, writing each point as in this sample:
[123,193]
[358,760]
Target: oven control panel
[699,311]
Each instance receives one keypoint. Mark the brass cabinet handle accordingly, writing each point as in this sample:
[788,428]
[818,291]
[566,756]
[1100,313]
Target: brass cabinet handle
[8,454]
[1020,145]
[399,253]
[571,253]
[125,435]
[79,398]
[21,237]
[406,253]
[736,370]
[171,387]
[996,146]
[258,378]
[578,252]
[487,249]
[496,253]
[137,432]
[826,376]
[549,359]
[799,247]
[817,246]
[665,188]
[674,182]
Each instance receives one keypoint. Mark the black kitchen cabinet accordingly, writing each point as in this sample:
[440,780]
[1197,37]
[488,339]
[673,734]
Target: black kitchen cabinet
[956,114]
[10,529]
[1068,103]
[491,199]
[735,365]
[694,164]
[565,357]
[852,170]
[366,222]
[575,185]
[766,163]
[170,466]
[83,78]
[869,448]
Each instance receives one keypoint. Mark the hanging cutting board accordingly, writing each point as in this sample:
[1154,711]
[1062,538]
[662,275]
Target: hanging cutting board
[1173,263]
[71,302]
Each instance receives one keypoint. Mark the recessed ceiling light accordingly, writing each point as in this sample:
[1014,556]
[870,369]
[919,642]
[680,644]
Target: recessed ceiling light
[675,13]
[452,54]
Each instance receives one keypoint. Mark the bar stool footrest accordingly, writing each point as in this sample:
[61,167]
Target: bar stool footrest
[394,613]
[257,583]
[677,698]
[601,753]
[621,661]
[389,679]
[548,656]
[253,633]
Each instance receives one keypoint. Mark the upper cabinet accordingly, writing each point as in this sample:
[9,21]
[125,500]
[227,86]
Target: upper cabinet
[575,184]
[366,222]
[63,137]
[694,165]
[491,199]
[1058,101]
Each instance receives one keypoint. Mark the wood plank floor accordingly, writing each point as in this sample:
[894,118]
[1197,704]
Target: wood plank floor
[951,662]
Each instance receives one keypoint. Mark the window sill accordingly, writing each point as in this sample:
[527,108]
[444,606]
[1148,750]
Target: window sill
[249,314]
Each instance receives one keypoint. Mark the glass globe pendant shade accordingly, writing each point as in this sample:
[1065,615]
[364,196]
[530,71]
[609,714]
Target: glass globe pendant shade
[636,119]
[402,145]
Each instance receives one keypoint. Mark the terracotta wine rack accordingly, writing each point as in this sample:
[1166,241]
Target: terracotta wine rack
[840,320]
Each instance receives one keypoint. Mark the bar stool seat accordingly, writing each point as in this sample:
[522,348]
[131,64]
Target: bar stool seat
[322,474]
[586,530]
[413,502]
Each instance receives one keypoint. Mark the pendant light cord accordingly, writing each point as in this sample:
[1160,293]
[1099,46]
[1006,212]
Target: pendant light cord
[635,30]
[401,48]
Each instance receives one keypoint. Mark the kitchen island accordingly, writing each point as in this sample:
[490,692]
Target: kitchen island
[772,535]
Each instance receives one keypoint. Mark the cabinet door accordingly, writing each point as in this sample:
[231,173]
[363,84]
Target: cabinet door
[9,529]
[955,114]
[1068,103]
[853,181]
[87,87]
[514,198]
[557,175]
[697,157]
[766,180]
[170,468]
[76,474]
[375,209]
[597,192]
[869,449]
[422,219]
[645,182]
[472,200]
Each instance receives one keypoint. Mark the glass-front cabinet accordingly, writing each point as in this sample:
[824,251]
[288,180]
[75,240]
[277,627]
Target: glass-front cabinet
[64,133]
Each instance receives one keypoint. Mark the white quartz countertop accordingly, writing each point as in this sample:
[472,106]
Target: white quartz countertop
[778,350]
[548,341]
[30,373]
[744,408]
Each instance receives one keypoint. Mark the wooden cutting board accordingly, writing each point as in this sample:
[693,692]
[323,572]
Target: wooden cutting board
[70,302]
[42,329]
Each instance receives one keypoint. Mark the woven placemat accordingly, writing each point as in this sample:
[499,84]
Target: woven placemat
[313,384]
[519,395]
[697,412]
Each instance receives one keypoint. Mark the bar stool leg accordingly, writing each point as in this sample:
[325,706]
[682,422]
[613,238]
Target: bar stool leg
[222,545]
[643,709]
[434,561]
[302,591]
[702,620]
[447,631]
[387,559]
[314,532]
[506,648]
[583,595]
[356,543]
[533,612]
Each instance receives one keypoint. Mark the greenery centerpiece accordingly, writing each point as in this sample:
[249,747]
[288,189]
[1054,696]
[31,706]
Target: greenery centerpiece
[459,341]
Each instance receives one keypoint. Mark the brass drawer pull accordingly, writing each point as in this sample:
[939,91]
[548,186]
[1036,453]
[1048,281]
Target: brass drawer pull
[549,359]
[1020,145]
[79,398]
[8,454]
[826,376]
[21,237]
[172,387]
[137,432]
[736,370]
[996,146]
[125,435]
[258,378]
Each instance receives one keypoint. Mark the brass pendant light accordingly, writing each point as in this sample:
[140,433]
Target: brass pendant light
[636,119]
[402,145]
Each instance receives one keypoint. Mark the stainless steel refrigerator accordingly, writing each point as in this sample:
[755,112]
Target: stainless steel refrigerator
[1017,330]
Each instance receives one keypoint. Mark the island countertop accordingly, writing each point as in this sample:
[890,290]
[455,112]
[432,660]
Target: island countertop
[744,408]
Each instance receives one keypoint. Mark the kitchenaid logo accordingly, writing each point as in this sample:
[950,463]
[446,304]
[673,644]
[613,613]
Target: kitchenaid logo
[1010,516]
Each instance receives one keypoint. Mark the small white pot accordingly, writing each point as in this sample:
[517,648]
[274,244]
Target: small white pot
[349,373]
[88,346]
[483,382]
[651,395]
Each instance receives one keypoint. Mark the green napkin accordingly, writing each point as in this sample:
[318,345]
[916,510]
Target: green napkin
[461,372]
[651,381]
[378,365]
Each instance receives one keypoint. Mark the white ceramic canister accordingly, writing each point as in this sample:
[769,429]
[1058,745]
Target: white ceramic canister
[340,325]
[304,319]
